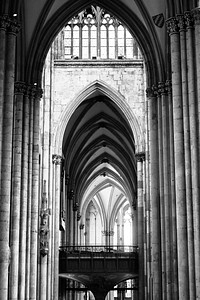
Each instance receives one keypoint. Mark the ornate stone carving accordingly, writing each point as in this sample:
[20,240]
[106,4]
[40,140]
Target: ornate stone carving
[168,85]
[162,89]
[20,87]
[196,15]
[38,93]
[81,226]
[140,156]
[189,19]
[172,26]
[78,216]
[4,22]
[151,91]
[9,24]
[44,224]
[108,233]
[181,22]
[57,159]
[75,206]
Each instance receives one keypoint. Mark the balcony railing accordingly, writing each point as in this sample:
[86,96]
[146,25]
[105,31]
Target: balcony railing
[97,249]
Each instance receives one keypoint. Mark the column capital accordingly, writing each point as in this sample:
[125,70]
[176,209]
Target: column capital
[4,22]
[71,194]
[66,179]
[189,19]
[140,156]
[81,226]
[57,159]
[169,86]
[151,91]
[38,92]
[196,15]
[172,25]
[162,88]
[20,87]
[181,22]
[78,216]
[75,206]
[9,24]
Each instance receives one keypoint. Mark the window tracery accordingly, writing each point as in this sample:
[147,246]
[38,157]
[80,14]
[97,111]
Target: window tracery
[96,34]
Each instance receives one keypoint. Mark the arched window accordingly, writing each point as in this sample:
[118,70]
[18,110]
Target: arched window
[95,34]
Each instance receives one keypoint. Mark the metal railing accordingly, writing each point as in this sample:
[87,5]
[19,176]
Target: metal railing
[100,248]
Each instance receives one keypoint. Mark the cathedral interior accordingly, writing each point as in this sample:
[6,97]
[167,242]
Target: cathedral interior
[99,150]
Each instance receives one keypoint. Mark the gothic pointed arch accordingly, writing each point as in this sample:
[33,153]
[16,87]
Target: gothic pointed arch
[99,88]
[148,41]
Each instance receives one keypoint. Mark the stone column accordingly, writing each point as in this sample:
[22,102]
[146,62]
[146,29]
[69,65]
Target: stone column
[6,157]
[193,104]
[161,188]
[140,210]
[3,27]
[44,242]
[185,99]
[173,245]
[16,190]
[24,196]
[29,192]
[196,14]
[35,197]
[155,279]
[179,156]
[167,200]
[57,160]
[147,204]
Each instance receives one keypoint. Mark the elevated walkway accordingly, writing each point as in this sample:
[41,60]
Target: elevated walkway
[99,268]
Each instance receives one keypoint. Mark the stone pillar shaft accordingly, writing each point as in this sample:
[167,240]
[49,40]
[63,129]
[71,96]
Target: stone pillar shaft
[2,68]
[155,280]
[35,198]
[166,195]
[29,199]
[193,104]
[24,198]
[6,156]
[57,159]
[161,188]
[181,215]
[16,190]
[140,157]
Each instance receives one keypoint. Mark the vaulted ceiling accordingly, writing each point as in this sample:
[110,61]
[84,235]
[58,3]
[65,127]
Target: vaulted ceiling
[99,149]
[41,20]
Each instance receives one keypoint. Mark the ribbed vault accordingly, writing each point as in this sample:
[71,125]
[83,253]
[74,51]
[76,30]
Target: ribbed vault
[99,147]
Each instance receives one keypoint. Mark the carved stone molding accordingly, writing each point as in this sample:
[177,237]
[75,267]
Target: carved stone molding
[181,22]
[162,88]
[168,85]
[75,206]
[4,22]
[108,233]
[57,159]
[44,224]
[140,156]
[172,26]
[189,19]
[38,93]
[20,87]
[196,15]
[9,24]
[151,91]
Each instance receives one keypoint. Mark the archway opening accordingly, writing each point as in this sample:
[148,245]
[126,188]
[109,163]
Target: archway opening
[98,206]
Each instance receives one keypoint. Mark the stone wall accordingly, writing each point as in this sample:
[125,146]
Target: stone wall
[71,78]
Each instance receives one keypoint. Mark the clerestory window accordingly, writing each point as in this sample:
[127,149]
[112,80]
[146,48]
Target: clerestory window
[96,34]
